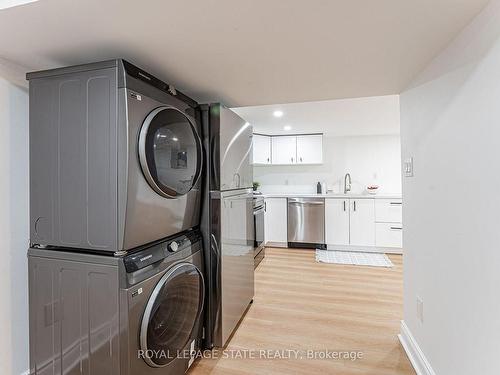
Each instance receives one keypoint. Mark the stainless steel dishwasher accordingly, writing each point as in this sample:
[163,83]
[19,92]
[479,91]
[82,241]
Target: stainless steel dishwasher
[306,223]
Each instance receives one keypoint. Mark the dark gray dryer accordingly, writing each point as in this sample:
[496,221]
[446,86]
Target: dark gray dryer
[133,315]
[115,158]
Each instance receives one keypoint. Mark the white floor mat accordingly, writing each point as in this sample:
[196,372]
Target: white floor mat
[353,258]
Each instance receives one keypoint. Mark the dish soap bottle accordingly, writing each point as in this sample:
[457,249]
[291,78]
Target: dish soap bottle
[318,188]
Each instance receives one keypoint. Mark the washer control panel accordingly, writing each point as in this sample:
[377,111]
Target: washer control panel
[147,255]
[173,246]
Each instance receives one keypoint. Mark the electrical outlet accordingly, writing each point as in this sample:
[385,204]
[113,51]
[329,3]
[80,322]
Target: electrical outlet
[408,167]
[420,309]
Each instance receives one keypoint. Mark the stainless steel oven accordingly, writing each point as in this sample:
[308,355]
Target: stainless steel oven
[259,208]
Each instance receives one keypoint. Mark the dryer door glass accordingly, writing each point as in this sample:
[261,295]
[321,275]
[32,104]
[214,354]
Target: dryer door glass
[170,152]
[170,321]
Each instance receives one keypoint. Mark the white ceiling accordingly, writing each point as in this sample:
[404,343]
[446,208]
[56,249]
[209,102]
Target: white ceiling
[244,52]
[344,117]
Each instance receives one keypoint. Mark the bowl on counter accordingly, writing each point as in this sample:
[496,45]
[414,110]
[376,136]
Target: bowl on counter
[372,189]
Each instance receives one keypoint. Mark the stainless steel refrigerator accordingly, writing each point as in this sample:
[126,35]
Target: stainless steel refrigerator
[227,221]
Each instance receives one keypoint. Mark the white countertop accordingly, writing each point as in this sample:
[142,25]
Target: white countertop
[332,195]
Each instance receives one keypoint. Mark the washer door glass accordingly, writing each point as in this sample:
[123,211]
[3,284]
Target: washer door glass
[170,152]
[171,315]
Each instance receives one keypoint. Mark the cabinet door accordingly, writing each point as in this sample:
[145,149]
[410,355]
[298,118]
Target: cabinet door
[261,149]
[337,221]
[276,220]
[362,222]
[284,150]
[310,149]
[389,235]
[388,210]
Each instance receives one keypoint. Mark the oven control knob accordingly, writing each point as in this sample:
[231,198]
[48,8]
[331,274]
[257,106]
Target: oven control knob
[173,246]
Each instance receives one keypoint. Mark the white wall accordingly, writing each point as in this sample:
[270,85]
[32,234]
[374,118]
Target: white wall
[369,160]
[450,124]
[14,230]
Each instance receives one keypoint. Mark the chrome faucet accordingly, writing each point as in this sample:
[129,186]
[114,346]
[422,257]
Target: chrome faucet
[347,188]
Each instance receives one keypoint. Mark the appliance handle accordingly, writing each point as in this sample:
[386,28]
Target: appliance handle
[236,193]
[260,210]
[307,203]
[215,246]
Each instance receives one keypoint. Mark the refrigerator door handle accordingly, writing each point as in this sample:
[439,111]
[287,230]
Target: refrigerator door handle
[215,246]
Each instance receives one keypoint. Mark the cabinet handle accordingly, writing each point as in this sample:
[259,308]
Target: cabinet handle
[354,205]
[301,160]
[344,206]
[268,160]
[396,228]
[396,203]
[292,160]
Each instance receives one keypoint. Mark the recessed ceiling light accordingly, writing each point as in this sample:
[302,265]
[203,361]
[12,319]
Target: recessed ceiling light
[175,139]
[278,113]
[287,127]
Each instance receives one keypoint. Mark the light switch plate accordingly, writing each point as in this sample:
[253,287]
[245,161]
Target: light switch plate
[408,167]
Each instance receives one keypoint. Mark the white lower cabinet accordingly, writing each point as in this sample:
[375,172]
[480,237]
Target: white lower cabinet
[389,234]
[337,221]
[389,228]
[389,210]
[275,221]
[362,220]
[350,222]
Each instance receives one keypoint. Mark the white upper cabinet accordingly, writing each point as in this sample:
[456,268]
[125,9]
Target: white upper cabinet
[261,149]
[284,150]
[288,149]
[310,149]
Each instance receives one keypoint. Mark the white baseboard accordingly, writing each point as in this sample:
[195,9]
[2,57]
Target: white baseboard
[276,244]
[366,249]
[414,353]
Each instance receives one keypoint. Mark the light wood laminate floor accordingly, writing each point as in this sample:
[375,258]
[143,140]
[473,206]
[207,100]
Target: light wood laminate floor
[303,305]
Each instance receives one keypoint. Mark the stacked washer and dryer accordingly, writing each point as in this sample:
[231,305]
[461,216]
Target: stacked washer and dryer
[116,268]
